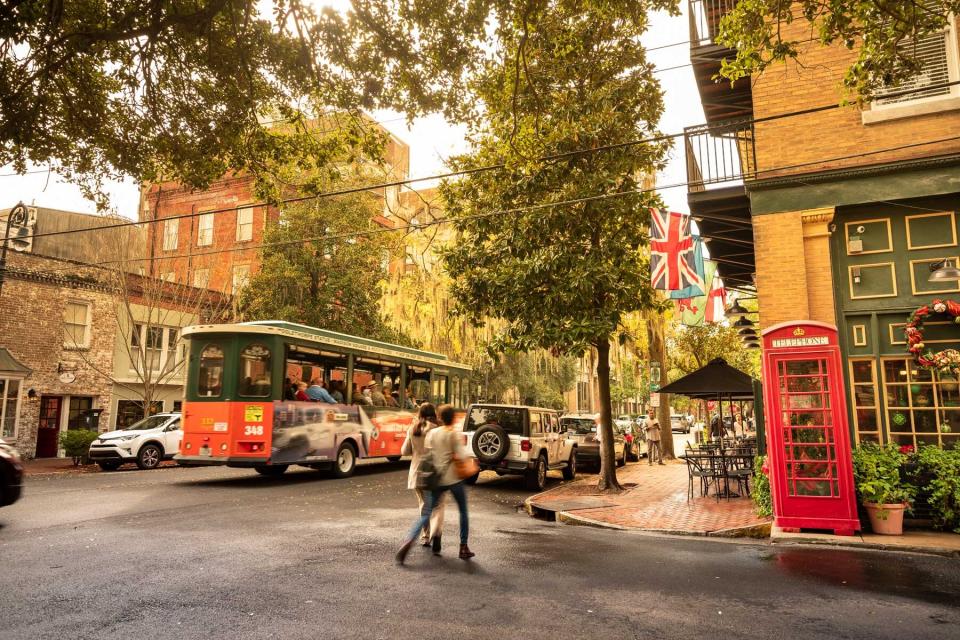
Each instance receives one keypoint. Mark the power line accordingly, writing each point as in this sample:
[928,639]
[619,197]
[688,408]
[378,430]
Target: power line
[538,206]
[481,169]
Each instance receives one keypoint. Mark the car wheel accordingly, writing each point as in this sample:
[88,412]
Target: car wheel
[537,477]
[345,462]
[570,471]
[394,458]
[473,479]
[490,444]
[149,457]
[109,466]
[272,470]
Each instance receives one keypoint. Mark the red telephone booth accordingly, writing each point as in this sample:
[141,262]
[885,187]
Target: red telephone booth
[808,442]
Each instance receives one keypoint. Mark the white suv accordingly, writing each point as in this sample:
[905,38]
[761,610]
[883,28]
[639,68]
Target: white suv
[146,442]
[512,439]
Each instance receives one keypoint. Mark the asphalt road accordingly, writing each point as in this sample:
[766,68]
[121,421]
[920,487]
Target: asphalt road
[222,553]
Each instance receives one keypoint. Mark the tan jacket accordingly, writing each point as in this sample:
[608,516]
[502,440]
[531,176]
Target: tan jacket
[415,446]
[444,443]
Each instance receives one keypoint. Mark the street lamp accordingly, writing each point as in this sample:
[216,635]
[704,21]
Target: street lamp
[17,216]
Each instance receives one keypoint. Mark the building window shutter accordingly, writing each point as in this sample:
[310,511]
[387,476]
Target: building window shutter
[932,52]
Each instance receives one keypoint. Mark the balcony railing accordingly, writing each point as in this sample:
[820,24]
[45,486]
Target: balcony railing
[719,154]
[705,18]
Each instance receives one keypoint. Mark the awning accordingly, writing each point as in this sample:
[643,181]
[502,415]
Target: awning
[717,380]
[10,365]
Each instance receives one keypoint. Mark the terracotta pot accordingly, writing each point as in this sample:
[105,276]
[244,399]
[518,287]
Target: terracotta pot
[886,519]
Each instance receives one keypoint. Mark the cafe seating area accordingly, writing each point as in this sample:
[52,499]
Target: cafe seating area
[721,468]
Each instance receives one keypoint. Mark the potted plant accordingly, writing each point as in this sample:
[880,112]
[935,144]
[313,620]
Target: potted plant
[884,494]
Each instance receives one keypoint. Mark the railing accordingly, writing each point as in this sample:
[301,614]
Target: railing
[719,153]
[705,18]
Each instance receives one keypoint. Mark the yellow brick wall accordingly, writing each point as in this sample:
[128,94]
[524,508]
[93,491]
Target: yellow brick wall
[817,138]
[781,269]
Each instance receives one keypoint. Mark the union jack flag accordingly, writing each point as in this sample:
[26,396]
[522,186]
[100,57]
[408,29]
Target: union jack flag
[672,255]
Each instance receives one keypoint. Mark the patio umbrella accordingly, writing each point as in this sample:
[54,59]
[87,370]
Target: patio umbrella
[716,381]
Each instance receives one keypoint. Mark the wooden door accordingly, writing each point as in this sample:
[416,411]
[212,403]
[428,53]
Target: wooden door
[48,433]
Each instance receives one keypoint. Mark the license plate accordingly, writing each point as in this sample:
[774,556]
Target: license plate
[204,450]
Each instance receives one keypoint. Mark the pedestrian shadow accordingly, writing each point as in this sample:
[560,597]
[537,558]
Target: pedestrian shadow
[443,565]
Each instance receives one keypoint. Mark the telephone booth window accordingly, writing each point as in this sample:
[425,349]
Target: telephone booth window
[809,446]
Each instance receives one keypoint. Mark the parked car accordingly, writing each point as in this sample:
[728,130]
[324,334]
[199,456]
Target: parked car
[146,443]
[522,440]
[11,474]
[679,424]
[633,440]
[585,429]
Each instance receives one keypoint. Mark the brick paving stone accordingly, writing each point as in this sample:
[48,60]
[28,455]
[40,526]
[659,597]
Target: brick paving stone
[658,502]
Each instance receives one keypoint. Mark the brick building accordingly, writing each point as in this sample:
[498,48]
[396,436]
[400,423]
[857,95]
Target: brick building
[837,215]
[218,249]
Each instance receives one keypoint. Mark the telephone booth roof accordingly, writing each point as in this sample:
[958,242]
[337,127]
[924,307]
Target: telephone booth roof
[715,379]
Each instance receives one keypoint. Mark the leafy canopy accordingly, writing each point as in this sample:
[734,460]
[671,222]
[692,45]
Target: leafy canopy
[880,31]
[571,76]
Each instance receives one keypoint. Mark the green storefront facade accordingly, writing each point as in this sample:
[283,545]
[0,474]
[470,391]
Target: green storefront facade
[889,225]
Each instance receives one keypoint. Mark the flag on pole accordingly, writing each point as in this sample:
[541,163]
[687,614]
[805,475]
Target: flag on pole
[672,252]
[694,289]
[697,310]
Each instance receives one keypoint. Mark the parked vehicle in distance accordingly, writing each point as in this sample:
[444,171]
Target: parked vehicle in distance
[679,424]
[522,440]
[634,441]
[585,429]
[147,443]
[11,474]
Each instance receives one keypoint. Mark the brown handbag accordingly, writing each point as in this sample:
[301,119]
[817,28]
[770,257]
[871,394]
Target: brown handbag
[465,468]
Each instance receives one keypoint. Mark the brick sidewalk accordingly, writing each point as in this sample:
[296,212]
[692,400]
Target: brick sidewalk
[655,501]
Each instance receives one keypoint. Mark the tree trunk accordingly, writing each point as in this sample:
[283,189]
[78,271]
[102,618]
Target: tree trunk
[608,482]
[658,352]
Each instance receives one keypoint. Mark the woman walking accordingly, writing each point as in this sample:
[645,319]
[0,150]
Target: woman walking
[445,447]
[415,446]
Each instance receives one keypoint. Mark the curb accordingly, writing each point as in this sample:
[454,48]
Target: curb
[778,537]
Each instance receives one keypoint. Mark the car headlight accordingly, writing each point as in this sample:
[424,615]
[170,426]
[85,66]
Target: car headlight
[126,438]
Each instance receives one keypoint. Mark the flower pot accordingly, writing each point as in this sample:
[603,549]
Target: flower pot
[886,519]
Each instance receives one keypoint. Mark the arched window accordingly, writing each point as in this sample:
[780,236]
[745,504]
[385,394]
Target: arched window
[255,371]
[210,376]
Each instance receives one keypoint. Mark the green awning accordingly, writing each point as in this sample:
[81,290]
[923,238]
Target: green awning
[9,364]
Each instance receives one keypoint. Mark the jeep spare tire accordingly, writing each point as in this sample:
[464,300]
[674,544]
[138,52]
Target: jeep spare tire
[491,444]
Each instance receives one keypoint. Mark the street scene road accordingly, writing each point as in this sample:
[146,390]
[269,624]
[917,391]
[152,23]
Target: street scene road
[225,553]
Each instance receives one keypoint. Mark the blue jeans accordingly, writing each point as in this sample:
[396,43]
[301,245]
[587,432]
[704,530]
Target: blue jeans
[460,495]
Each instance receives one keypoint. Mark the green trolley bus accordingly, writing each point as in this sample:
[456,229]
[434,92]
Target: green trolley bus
[245,404]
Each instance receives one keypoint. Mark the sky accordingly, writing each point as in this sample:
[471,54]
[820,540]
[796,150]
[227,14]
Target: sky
[431,139]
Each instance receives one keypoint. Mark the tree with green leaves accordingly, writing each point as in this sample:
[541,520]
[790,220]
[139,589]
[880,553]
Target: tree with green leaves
[315,271]
[569,76]
[535,378]
[882,32]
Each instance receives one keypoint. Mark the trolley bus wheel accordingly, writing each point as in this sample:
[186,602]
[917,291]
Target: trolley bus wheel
[345,462]
[273,470]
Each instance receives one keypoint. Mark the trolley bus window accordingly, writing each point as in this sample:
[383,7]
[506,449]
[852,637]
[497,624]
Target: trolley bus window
[455,391]
[210,378]
[439,390]
[255,371]
[309,365]
[381,378]
[418,385]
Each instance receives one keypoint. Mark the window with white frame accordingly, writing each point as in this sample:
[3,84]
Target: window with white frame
[9,406]
[170,276]
[170,229]
[154,348]
[201,278]
[76,324]
[245,224]
[936,55]
[241,274]
[205,230]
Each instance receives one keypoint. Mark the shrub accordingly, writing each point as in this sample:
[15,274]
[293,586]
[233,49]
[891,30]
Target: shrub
[761,488]
[942,466]
[876,472]
[76,442]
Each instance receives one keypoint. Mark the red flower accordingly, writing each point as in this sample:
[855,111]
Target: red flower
[922,311]
[906,449]
[765,469]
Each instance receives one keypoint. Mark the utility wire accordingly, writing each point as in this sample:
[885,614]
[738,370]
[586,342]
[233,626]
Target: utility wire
[544,205]
[490,167]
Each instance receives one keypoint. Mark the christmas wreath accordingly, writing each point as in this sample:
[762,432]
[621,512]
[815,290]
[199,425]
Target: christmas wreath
[946,361]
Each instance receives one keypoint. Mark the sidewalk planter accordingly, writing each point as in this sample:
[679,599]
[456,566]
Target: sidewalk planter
[877,472]
[886,519]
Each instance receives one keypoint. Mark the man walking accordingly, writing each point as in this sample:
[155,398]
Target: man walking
[653,439]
